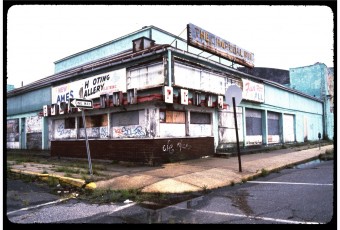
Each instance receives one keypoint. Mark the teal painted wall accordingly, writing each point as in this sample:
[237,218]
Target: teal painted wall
[125,43]
[317,81]
[309,79]
[280,101]
[98,52]
[28,102]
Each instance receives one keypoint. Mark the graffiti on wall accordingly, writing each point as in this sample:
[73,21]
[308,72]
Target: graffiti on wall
[34,124]
[103,132]
[62,132]
[173,147]
[94,132]
[13,130]
[129,131]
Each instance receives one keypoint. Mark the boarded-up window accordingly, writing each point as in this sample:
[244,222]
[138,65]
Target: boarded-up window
[177,117]
[200,118]
[273,123]
[93,121]
[253,122]
[125,118]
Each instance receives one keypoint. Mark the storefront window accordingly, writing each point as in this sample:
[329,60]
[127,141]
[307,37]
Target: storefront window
[200,118]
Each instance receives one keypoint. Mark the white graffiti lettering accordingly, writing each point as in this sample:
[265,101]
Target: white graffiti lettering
[179,146]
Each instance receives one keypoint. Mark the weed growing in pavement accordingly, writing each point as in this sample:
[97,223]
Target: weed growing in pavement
[25,202]
[28,178]
[67,174]
[52,181]
[67,170]
[108,195]
[232,183]
[205,188]
[244,180]
[264,172]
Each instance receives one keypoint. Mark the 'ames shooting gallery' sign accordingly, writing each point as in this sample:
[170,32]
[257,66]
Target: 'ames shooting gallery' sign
[91,87]
[209,42]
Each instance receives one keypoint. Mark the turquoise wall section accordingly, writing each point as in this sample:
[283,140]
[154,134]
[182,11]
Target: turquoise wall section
[28,102]
[98,52]
[309,79]
[280,101]
[312,80]
[125,43]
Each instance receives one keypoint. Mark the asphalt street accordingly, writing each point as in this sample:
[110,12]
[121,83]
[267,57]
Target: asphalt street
[300,195]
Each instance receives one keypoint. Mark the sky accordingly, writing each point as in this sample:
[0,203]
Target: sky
[280,37]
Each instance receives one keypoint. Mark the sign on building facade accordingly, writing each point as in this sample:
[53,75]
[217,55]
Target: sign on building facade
[253,91]
[211,43]
[91,87]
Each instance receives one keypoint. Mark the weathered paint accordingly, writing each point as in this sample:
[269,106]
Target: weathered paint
[28,102]
[104,50]
[200,130]
[226,127]
[171,130]
[317,80]
[13,133]
[289,128]
[60,132]
[145,77]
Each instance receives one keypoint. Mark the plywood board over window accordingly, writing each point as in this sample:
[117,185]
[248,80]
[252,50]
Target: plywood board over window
[175,117]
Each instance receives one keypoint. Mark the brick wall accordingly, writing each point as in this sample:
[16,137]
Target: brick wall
[137,150]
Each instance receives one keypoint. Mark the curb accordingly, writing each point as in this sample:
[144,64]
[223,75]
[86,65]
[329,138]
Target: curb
[68,180]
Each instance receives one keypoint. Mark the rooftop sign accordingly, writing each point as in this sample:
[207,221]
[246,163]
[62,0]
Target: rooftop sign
[209,42]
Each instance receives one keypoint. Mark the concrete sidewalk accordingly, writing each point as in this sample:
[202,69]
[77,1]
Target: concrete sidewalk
[191,175]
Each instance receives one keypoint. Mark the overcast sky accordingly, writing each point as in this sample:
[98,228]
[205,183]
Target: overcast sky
[280,37]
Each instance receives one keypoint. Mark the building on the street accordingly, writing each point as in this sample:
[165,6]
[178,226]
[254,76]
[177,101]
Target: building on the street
[157,97]
[315,80]
[318,81]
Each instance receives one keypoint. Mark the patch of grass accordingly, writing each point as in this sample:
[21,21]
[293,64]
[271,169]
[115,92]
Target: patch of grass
[52,181]
[28,178]
[97,173]
[44,171]
[232,183]
[67,174]
[25,202]
[108,195]
[264,172]
[205,188]
[99,167]
[67,170]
